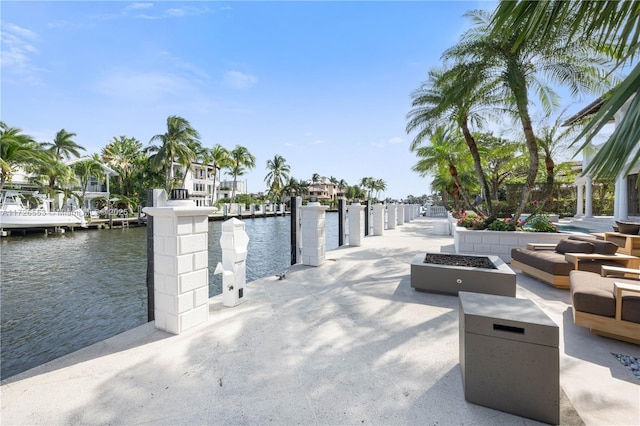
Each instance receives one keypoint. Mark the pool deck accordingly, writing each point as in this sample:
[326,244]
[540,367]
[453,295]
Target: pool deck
[349,342]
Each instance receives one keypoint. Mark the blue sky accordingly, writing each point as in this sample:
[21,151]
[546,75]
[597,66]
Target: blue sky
[325,84]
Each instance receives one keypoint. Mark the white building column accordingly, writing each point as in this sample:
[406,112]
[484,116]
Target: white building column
[621,206]
[391,216]
[588,202]
[181,264]
[580,199]
[314,240]
[378,219]
[356,224]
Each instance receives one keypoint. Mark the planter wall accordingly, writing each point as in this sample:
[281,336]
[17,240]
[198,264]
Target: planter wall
[498,243]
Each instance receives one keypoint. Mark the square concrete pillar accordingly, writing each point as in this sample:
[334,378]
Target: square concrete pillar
[313,234]
[181,264]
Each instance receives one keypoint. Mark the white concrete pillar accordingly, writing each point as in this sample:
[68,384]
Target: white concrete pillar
[378,219]
[400,214]
[234,242]
[588,202]
[314,240]
[392,209]
[181,264]
[407,213]
[580,200]
[356,224]
[621,197]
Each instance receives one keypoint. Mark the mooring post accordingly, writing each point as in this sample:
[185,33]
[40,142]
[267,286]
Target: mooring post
[367,214]
[356,224]
[391,216]
[152,196]
[378,219]
[341,220]
[314,240]
[296,203]
[181,262]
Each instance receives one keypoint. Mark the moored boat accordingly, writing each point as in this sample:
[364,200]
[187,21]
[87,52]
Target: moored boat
[15,215]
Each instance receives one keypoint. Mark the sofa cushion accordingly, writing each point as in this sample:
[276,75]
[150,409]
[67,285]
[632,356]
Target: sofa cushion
[631,228]
[599,246]
[544,260]
[593,294]
[571,246]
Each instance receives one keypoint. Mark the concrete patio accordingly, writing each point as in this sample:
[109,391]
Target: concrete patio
[348,342]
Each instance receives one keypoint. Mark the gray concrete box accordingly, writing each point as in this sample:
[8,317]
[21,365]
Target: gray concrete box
[449,279]
[509,356]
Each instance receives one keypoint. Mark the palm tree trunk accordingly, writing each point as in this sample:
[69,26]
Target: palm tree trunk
[465,196]
[532,147]
[473,148]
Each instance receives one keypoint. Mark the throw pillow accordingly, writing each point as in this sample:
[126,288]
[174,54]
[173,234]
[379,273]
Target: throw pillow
[599,246]
[572,246]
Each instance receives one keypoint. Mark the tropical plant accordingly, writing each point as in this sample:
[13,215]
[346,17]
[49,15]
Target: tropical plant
[174,146]
[16,150]
[611,25]
[63,146]
[446,151]
[315,178]
[519,70]
[277,176]
[218,158]
[378,185]
[122,155]
[85,169]
[240,160]
[457,95]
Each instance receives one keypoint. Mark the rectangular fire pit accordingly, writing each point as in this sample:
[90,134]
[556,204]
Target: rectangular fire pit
[451,273]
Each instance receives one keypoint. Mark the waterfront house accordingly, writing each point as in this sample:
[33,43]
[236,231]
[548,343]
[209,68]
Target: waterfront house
[324,190]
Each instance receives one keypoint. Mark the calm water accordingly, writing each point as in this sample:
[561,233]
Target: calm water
[60,293]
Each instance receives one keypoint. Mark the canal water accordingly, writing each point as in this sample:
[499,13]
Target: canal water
[60,293]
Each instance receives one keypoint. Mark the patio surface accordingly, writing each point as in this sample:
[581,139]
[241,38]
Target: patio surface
[349,342]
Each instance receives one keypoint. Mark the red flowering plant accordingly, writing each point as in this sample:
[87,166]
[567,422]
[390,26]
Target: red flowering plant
[471,220]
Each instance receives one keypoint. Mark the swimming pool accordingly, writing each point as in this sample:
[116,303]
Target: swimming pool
[571,228]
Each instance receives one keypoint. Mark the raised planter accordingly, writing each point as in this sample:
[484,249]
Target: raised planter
[499,243]
[497,279]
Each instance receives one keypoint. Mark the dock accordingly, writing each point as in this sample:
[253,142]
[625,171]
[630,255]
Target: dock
[348,342]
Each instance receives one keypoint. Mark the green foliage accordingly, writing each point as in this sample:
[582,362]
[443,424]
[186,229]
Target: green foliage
[471,220]
[541,223]
[502,225]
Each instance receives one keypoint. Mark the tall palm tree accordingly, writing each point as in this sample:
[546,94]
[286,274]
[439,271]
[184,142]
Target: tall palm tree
[16,150]
[442,99]
[240,160]
[521,70]
[379,185]
[366,184]
[174,146]
[595,22]
[277,176]
[315,178]
[86,169]
[121,154]
[63,146]
[445,152]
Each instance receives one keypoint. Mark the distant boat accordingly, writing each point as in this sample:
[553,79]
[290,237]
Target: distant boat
[14,214]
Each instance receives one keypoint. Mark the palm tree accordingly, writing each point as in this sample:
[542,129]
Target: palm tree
[315,178]
[121,154]
[444,152]
[63,145]
[277,176]
[379,185]
[547,22]
[517,70]
[16,150]
[240,160]
[442,99]
[86,169]
[174,146]
[366,184]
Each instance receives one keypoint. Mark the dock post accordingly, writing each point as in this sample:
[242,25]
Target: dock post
[367,215]
[400,214]
[356,224]
[180,263]
[296,203]
[314,240]
[378,219]
[341,221]
[391,216]
[407,213]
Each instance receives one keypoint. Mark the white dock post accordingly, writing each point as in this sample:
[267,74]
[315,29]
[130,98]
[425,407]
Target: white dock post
[400,214]
[234,242]
[314,240]
[392,210]
[378,219]
[407,213]
[356,224]
[181,264]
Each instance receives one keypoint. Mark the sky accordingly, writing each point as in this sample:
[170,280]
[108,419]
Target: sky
[326,85]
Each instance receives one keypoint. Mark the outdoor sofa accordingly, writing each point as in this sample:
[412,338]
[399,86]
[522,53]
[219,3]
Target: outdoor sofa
[552,263]
[626,236]
[607,303]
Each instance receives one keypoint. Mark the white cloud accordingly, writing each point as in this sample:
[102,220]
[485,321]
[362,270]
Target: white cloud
[289,145]
[147,86]
[239,80]
[135,6]
[18,52]
[318,142]
[308,134]
[395,140]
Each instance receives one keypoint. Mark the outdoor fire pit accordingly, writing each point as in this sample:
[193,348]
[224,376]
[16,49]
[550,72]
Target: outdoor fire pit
[450,273]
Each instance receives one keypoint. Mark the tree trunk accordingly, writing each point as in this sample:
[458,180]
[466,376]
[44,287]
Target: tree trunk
[473,148]
[463,192]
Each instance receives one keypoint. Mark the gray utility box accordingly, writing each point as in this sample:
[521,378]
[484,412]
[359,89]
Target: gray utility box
[509,356]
